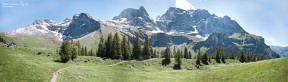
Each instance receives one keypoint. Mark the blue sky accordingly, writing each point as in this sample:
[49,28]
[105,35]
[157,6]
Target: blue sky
[266,18]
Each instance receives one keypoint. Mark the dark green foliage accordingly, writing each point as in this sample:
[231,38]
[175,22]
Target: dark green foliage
[241,56]
[204,59]
[154,55]
[231,55]
[108,46]
[74,52]
[101,48]
[198,58]
[186,53]
[217,55]
[167,55]
[136,52]
[82,51]
[65,52]
[79,48]
[91,53]
[126,51]
[178,61]
[116,47]
[2,40]
[146,50]
[85,51]
[189,55]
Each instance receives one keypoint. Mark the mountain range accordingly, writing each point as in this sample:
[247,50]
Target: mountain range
[196,29]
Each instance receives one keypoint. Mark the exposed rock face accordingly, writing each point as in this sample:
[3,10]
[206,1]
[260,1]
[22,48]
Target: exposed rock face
[81,25]
[200,20]
[136,17]
[247,42]
[162,40]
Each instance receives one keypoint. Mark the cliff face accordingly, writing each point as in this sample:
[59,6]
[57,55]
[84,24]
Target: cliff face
[81,25]
[249,43]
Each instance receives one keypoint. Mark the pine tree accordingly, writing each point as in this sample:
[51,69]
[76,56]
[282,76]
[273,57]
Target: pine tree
[79,48]
[82,51]
[85,51]
[178,61]
[204,59]
[189,55]
[222,55]
[64,53]
[154,54]
[232,55]
[74,53]
[116,47]
[198,58]
[136,52]
[186,53]
[108,46]
[125,49]
[217,55]
[241,56]
[146,50]
[167,56]
[128,51]
[101,48]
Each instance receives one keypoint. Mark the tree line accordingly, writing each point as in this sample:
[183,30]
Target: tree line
[2,40]
[111,48]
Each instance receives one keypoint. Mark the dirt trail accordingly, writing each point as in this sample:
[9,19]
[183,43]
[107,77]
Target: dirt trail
[55,74]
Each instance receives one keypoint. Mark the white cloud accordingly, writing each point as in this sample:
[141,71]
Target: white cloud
[184,4]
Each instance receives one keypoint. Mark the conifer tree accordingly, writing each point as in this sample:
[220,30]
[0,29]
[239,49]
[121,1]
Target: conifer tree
[186,53]
[136,52]
[198,58]
[232,55]
[189,55]
[178,61]
[167,56]
[85,51]
[64,53]
[125,49]
[82,51]
[129,51]
[108,46]
[101,48]
[79,48]
[241,56]
[204,59]
[74,52]
[116,47]
[217,55]
[146,50]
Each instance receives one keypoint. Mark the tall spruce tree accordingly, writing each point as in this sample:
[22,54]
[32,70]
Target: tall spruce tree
[85,51]
[167,56]
[186,53]
[74,52]
[232,55]
[198,59]
[125,49]
[108,46]
[146,50]
[178,61]
[116,47]
[136,52]
[101,48]
[217,55]
[204,59]
[128,51]
[65,54]
[241,56]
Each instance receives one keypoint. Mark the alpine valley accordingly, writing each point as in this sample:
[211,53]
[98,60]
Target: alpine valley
[179,46]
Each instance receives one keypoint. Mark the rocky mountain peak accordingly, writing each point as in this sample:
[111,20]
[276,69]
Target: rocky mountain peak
[81,25]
